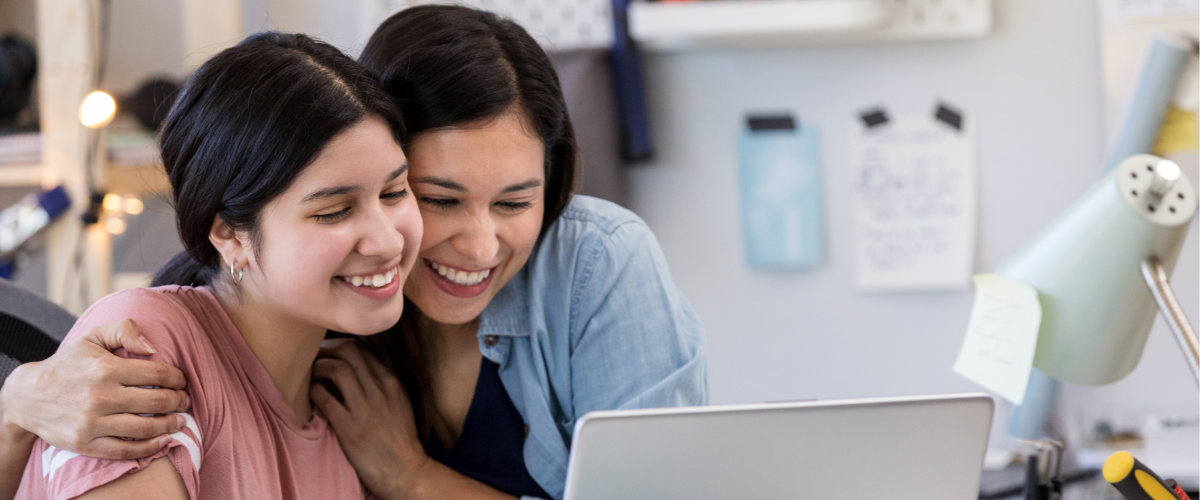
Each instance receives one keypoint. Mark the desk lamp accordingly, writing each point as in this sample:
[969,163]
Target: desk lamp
[1102,267]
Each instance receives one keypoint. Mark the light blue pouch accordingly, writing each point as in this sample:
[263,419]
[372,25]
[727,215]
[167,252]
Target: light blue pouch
[781,185]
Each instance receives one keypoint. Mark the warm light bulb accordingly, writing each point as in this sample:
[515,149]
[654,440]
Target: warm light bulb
[133,206]
[114,225]
[112,202]
[97,110]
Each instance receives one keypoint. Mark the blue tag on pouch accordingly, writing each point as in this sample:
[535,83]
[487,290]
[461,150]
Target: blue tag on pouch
[781,184]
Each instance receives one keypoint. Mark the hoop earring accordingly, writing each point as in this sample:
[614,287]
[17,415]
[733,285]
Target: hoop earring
[236,274]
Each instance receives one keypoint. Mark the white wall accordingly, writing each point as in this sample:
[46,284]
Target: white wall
[1033,88]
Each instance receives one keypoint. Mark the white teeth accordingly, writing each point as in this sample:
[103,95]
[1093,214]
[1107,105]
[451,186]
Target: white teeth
[375,281]
[463,278]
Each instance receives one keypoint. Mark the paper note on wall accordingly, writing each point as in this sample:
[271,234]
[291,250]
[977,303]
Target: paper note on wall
[914,197]
[780,169]
[1001,336]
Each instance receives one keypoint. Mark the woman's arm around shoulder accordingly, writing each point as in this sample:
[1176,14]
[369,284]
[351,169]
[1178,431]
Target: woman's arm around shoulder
[85,399]
[58,471]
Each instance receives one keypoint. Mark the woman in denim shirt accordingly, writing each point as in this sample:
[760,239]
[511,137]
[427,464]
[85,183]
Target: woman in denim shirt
[530,306]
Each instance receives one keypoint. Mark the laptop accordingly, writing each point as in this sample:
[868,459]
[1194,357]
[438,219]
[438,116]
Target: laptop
[918,448]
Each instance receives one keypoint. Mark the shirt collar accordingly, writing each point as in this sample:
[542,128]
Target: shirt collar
[508,313]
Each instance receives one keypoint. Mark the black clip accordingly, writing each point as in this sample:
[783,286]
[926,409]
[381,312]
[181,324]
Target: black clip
[874,117]
[949,116]
[763,123]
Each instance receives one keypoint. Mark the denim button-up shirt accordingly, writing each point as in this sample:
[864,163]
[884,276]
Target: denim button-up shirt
[592,322]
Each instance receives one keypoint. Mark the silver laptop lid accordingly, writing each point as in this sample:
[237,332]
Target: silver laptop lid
[918,448]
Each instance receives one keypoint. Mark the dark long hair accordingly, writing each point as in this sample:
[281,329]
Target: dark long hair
[245,125]
[450,66]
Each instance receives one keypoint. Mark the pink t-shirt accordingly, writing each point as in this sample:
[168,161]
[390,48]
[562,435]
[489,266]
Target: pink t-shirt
[241,440]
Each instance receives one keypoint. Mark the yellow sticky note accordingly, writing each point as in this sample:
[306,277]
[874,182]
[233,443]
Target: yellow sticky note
[1178,133]
[998,350]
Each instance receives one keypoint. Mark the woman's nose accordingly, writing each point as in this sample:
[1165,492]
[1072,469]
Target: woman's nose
[478,240]
[381,238]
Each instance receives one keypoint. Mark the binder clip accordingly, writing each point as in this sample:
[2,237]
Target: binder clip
[1043,470]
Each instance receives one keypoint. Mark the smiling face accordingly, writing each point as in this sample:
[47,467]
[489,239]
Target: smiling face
[334,248]
[481,193]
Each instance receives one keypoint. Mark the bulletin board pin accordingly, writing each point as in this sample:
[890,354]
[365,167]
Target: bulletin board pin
[874,117]
[762,123]
[949,116]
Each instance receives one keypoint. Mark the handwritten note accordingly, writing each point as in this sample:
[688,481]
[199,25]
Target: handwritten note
[1001,336]
[914,198]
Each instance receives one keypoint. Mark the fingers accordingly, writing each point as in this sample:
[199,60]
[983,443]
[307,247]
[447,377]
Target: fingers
[141,401]
[111,448]
[330,344]
[387,380]
[123,333]
[353,355]
[139,428]
[138,372]
[330,406]
[342,375]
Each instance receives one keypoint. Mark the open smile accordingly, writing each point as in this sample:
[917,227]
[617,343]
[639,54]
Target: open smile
[460,282]
[378,285]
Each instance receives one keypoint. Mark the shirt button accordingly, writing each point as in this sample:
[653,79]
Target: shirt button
[490,340]
[526,431]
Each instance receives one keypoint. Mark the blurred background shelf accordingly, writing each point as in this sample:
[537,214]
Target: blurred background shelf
[735,23]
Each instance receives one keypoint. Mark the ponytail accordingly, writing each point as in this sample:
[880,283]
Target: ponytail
[183,270]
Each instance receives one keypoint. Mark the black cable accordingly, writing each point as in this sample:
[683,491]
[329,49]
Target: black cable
[103,29]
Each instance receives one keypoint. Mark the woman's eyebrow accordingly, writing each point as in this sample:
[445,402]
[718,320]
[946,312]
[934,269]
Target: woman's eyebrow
[441,182]
[397,173]
[330,192]
[523,186]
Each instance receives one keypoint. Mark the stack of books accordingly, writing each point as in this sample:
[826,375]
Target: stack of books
[21,148]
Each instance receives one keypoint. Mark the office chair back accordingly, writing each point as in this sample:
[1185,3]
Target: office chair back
[31,327]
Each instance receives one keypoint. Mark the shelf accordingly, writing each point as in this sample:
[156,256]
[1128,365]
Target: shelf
[20,175]
[756,23]
[142,179]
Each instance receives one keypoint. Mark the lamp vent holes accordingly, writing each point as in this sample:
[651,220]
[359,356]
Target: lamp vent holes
[1150,207]
[1172,209]
[1150,167]
[1133,192]
[1180,195]
[1133,174]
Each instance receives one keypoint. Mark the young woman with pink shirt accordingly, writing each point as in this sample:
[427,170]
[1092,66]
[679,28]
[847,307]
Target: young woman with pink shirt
[292,197]
[530,306]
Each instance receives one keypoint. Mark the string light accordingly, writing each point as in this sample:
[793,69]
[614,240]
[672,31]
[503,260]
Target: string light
[112,202]
[97,110]
[114,225]
[133,206]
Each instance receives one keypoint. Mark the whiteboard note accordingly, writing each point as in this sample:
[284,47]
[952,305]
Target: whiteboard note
[914,198]
[1001,336]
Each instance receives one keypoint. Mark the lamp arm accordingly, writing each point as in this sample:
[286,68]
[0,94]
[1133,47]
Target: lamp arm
[1160,286]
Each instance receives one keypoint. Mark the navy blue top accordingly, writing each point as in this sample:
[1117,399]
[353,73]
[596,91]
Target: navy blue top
[491,447]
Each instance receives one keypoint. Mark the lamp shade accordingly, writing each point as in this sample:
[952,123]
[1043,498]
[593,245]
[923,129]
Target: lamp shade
[1096,308]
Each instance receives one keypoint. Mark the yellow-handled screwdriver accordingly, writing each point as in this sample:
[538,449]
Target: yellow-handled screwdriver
[1134,480]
